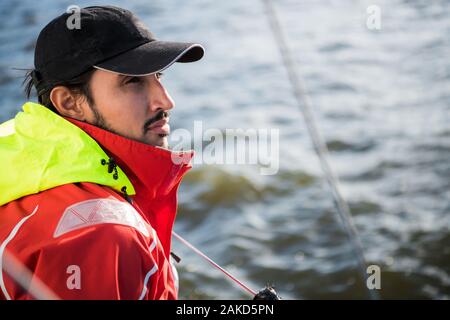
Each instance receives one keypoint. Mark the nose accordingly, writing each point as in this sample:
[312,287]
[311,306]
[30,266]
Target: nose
[159,98]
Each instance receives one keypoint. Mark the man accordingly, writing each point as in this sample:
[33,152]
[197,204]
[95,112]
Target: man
[88,186]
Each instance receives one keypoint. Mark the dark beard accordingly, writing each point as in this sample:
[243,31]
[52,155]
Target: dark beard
[100,121]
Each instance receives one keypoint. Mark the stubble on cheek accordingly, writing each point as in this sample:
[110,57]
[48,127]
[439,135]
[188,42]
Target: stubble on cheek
[100,121]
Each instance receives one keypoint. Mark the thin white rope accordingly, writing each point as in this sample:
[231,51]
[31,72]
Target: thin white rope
[204,256]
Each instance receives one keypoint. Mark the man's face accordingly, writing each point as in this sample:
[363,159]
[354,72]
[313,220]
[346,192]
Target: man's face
[133,107]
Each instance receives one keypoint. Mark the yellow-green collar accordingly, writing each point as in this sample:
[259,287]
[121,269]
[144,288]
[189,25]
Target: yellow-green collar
[40,150]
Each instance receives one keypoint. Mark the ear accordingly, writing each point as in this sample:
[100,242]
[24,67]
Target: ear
[67,103]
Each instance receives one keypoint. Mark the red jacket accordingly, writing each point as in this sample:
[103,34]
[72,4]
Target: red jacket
[86,241]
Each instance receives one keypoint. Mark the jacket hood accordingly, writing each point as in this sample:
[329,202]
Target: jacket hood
[40,150]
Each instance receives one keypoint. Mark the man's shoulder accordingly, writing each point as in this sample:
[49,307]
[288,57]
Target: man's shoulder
[70,207]
[85,204]
[57,199]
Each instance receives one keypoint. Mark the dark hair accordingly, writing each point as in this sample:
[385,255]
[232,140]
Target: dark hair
[78,85]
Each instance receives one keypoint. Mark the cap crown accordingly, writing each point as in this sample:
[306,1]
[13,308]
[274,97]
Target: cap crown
[105,31]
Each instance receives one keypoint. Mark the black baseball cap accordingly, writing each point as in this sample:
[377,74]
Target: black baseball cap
[108,38]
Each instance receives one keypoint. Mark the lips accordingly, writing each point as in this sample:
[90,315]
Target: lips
[160,127]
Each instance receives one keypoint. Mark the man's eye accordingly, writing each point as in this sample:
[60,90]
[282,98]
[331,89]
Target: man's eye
[159,75]
[133,80]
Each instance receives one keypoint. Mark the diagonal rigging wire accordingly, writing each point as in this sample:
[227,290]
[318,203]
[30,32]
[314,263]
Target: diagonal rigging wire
[305,104]
[201,254]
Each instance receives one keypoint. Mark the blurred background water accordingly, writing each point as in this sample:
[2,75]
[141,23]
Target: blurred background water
[382,101]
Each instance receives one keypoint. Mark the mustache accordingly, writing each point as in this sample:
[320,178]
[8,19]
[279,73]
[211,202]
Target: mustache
[159,116]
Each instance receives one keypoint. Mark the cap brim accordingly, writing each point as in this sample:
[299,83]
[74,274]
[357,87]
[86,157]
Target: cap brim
[152,57]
